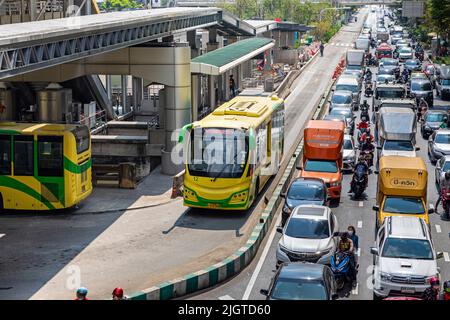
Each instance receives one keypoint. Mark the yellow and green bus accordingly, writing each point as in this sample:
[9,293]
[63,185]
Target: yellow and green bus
[44,166]
[232,152]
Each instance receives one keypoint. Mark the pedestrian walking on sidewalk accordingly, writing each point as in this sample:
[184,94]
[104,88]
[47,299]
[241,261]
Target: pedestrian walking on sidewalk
[321,48]
[232,85]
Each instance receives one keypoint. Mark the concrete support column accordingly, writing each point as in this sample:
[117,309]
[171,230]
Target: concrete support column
[212,91]
[109,86]
[192,40]
[195,96]
[138,92]
[124,87]
[240,77]
[212,35]
[33,10]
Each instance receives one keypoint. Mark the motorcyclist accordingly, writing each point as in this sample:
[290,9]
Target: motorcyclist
[117,294]
[446,294]
[366,137]
[368,74]
[405,75]
[368,147]
[82,293]
[432,292]
[444,187]
[364,107]
[368,88]
[360,168]
[422,108]
[346,246]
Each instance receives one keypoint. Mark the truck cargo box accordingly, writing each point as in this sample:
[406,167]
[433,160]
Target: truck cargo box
[323,140]
[355,57]
[402,176]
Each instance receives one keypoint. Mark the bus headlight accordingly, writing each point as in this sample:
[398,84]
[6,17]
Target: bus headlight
[239,197]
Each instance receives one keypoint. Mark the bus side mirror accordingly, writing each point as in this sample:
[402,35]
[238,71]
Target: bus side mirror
[283,195]
[439,255]
[417,148]
[376,208]
[264,292]
[280,229]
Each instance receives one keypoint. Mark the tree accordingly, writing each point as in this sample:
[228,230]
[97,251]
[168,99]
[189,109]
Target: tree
[118,5]
[438,12]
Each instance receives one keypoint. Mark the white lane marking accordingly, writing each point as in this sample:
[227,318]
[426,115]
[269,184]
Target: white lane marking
[438,228]
[2,235]
[361,204]
[358,253]
[255,274]
[355,291]
[360,224]
[226,297]
[446,257]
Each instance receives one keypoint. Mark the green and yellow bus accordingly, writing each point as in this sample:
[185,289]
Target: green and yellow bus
[44,166]
[232,153]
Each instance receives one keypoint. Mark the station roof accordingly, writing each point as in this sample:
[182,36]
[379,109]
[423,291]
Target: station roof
[220,60]
[267,25]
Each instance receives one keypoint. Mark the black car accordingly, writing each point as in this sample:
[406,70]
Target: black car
[303,191]
[432,120]
[422,88]
[302,281]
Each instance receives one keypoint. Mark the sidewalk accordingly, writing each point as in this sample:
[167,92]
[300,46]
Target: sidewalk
[155,189]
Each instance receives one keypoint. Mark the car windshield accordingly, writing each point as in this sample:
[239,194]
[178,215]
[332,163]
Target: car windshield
[412,63]
[386,93]
[345,113]
[446,82]
[341,99]
[398,145]
[384,52]
[354,68]
[295,289]
[442,138]
[348,145]
[405,50]
[347,87]
[403,205]
[421,86]
[218,152]
[435,117]
[385,71]
[306,191]
[307,228]
[321,166]
[407,249]
[383,77]
[389,62]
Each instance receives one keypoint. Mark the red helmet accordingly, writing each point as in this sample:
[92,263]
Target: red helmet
[118,292]
[434,281]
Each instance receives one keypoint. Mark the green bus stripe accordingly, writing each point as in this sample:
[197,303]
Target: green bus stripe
[14,184]
[10,132]
[75,168]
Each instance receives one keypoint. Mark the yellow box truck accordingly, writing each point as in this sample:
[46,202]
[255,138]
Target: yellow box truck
[402,188]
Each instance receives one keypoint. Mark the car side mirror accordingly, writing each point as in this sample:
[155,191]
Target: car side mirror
[283,195]
[376,208]
[431,209]
[379,148]
[374,251]
[264,292]
[439,255]
[354,117]
[280,229]
[417,148]
[336,234]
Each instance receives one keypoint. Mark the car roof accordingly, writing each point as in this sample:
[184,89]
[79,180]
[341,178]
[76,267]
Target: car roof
[311,211]
[343,108]
[301,270]
[345,79]
[406,227]
[308,180]
[443,131]
[420,80]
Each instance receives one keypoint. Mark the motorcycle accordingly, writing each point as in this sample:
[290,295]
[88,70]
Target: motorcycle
[368,156]
[340,265]
[359,183]
[365,113]
[420,56]
[368,91]
[445,198]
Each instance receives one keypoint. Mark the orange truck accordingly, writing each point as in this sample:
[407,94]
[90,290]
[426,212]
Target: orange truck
[323,154]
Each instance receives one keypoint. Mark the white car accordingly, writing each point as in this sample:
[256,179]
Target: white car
[349,153]
[405,53]
[398,148]
[310,234]
[404,257]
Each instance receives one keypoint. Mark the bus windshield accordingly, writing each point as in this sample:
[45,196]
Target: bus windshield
[218,152]
[403,205]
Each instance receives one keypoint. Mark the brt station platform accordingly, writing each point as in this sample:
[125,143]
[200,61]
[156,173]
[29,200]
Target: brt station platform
[187,54]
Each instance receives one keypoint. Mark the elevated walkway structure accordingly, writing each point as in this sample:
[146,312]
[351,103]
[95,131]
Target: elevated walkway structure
[36,45]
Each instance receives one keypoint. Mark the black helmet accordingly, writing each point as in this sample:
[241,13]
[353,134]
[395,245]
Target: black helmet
[344,235]
[447,175]
[447,286]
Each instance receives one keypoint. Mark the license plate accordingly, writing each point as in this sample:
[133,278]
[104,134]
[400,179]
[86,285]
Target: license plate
[407,290]
[213,205]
